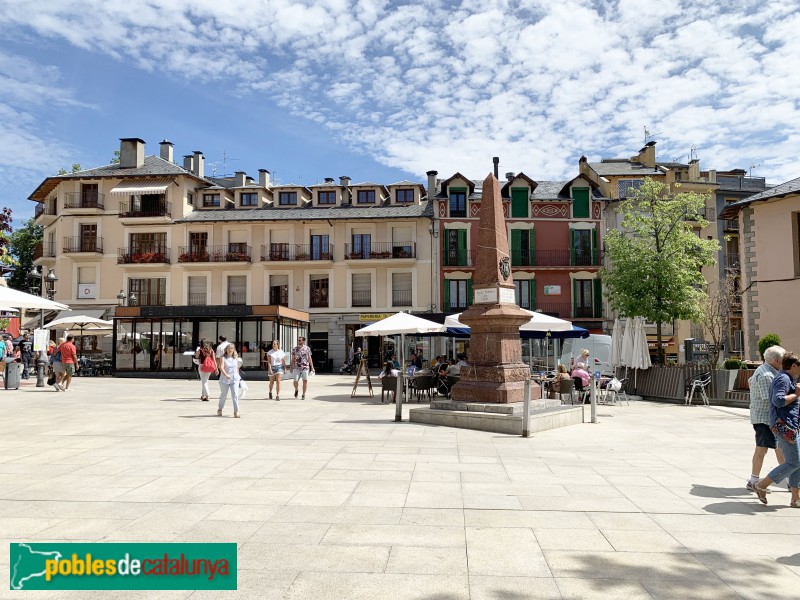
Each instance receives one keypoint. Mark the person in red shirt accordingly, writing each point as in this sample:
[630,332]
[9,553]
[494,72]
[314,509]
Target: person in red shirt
[69,357]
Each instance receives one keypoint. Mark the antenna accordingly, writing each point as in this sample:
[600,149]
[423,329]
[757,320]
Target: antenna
[754,166]
[693,152]
[223,162]
[649,136]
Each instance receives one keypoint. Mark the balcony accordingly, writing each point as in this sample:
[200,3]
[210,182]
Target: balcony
[522,258]
[279,296]
[239,298]
[138,209]
[381,250]
[736,303]
[709,214]
[73,200]
[563,258]
[292,252]
[77,244]
[319,299]
[459,258]
[732,261]
[143,255]
[44,250]
[401,297]
[730,225]
[585,312]
[44,209]
[143,299]
[215,254]
[362,298]
[197,299]
[562,310]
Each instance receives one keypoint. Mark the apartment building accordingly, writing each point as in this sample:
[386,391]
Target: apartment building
[193,256]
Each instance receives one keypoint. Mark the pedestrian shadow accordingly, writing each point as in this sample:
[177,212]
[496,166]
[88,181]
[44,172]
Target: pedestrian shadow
[738,508]
[214,415]
[792,561]
[708,491]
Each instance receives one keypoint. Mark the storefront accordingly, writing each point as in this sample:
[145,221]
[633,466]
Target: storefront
[163,339]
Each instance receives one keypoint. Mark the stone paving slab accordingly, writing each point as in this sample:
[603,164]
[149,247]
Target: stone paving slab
[330,498]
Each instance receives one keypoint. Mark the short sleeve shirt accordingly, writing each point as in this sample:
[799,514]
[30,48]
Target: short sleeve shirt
[67,353]
[302,356]
[275,357]
[221,349]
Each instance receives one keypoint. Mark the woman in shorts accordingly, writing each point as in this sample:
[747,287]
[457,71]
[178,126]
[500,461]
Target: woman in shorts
[276,361]
[58,366]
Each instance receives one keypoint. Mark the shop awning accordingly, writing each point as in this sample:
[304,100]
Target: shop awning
[652,341]
[139,186]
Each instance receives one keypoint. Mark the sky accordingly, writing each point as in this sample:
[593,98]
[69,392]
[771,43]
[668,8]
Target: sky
[385,91]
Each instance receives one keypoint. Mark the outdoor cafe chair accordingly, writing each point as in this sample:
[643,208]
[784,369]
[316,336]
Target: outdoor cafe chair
[565,388]
[388,386]
[580,391]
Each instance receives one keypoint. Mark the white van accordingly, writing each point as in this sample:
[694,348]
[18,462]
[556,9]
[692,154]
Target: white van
[599,347]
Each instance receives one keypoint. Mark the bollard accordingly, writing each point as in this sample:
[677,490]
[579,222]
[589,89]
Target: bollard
[526,410]
[593,395]
[399,393]
[41,364]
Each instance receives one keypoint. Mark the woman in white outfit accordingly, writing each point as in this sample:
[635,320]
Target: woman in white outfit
[276,360]
[204,350]
[229,379]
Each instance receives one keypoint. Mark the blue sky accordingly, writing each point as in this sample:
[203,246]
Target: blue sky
[385,91]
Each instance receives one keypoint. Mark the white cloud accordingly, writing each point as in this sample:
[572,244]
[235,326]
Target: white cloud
[447,84]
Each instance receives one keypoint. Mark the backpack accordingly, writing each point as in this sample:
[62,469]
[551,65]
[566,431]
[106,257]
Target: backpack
[209,365]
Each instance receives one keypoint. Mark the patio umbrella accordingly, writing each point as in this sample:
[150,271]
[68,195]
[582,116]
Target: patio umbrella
[616,345]
[641,354]
[539,322]
[17,299]
[82,321]
[626,353]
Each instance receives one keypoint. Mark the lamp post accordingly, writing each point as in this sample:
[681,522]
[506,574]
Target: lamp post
[44,289]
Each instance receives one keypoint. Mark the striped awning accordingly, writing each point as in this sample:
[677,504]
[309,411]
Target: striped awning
[142,186]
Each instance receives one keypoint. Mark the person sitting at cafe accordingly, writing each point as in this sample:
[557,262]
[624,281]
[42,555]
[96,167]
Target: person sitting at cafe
[416,361]
[561,375]
[580,372]
[441,366]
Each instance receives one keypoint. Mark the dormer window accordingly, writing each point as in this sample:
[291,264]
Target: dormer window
[405,195]
[249,199]
[366,197]
[287,198]
[211,200]
[326,197]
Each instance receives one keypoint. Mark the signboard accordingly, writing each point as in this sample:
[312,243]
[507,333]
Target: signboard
[487,295]
[552,290]
[87,291]
[374,317]
[507,295]
[40,339]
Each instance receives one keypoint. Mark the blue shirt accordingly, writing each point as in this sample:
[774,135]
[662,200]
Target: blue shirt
[782,386]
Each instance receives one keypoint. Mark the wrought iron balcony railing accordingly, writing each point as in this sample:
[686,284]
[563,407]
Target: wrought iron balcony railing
[136,208]
[84,200]
[362,298]
[83,244]
[380,250]
[234,252]
[290,252]
[401,297]
[143,255]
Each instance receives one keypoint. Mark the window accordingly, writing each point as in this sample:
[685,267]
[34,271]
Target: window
[401,289]
[405,195]
[86,283]
[249,199]
[320,248]
[148,242]
[366,197]
[287,198]
[458,203]
[580,203]
[279,290]
[210,199]
[361,289]
[198,242]
[237,289]
[88,240]
[525,293]
[328,197]
[319,291]
[89,195]
[457,294]
[197,291]
[189,198]
[361,245]
[587,298]
[455,248]
[149,292]
[522,243]
[627,188]
[583,247]
[519,203]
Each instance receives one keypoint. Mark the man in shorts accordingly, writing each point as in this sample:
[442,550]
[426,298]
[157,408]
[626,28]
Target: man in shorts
[760,383]
[301,365]
[69,357]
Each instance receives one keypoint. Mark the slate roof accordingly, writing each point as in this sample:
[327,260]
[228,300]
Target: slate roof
[624,167]
[312,213]
[554,190]
[779,191]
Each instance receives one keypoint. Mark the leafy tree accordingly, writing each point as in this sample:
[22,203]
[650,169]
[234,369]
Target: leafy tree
[5,230]
[771,339]
[75,168]
[115,158]
[715,313]
[23,242]
[656,259]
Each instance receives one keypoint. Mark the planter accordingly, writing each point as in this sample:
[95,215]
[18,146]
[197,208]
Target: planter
[723,381]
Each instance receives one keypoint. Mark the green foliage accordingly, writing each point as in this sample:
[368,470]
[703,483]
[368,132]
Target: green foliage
[5,230]
[75,168]
[23,241]
[655,260]
[733,363]
[771,339]
[115,158]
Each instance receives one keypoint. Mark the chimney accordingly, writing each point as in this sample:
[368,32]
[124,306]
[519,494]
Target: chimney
[199,164]
[647,155]
[694,170]
[432,184]
[166,150]
[344,181]
[188,163]
[329,180]
[239,178]
[131,153]
[263,178]
[496,161]
[712,176]
[510,176]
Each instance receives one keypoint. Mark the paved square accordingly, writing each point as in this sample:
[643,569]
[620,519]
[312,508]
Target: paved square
[329,498]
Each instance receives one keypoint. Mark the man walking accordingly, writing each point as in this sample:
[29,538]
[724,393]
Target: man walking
[220,352]
[26,354]
[760,383]
[301,365]
[69,358]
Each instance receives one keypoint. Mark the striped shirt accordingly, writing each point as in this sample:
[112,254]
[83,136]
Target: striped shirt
[760,383]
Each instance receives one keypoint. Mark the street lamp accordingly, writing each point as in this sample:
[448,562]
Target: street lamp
[50,284]
[132,299]
[121,298]
[46,289]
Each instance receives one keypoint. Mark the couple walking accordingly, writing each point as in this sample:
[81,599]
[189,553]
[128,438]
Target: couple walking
[301,365]
[224,362]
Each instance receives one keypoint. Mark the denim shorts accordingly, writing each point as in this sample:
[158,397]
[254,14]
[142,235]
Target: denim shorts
[301,374]
[277,369]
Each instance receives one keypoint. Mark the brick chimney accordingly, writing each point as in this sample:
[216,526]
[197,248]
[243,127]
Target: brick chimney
[166,150]
[344,181]
[694,170]
[431,183]
[188,163]
[199,164]
[263,178]
[131,153]
[647,155]
[240,179]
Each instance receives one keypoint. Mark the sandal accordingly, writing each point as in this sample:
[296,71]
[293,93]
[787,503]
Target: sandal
[236,415]
[795,504]
[219,412]
[761,493]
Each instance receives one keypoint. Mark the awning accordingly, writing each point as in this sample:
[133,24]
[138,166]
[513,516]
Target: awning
[139,186]
[652,341]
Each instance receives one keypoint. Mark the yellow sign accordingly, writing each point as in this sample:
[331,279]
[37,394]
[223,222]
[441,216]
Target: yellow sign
[374,317]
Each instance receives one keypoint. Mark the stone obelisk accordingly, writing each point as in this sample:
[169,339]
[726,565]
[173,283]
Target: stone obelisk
[496,373]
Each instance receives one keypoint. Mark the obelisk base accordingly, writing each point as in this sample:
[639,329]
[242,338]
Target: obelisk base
[494,384]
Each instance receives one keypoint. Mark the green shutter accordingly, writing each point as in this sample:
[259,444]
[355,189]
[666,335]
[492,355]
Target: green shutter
[516,247]
[533,294]
[532,247]
[572,247]
[519,203]
[462,248]
[598,299]
[446,307]
[469,292]
[594,246]
[580,203]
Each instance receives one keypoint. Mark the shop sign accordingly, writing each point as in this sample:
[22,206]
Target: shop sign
[374,317]
[552,290]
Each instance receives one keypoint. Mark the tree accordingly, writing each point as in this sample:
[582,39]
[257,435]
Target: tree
[23,242]
[715,312]
[115,158]
[771,339]
[656,259]
[75,168]
[5,230]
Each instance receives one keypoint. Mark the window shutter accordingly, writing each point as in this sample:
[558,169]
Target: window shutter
[516,247]
[469,292]
[533,294]
[594,246]
[598,299]
[462,239]
[446,307]
[572,252]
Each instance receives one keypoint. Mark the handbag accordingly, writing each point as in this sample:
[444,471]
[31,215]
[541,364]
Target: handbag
[51,377]
[209,364]
[782,429]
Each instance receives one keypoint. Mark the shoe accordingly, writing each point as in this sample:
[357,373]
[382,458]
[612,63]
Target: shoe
[219,412]
[751,485]
[236,415]
[278,398]
[61,387]
[795,504]
[304,397]
[270,395]
[55,385]
[761,493]
[295,393]
[204,398]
